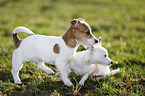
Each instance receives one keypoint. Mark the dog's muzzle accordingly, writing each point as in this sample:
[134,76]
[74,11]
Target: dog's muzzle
[111,62]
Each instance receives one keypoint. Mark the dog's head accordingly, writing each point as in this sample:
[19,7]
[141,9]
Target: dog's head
[82,32]
[100,55]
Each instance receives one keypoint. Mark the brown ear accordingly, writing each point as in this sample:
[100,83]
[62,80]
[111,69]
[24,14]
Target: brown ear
[74,22]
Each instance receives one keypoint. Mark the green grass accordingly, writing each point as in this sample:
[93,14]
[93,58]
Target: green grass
[120,23]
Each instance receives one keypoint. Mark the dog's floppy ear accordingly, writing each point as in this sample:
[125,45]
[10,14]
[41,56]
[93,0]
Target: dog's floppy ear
[100,41]
[74,22]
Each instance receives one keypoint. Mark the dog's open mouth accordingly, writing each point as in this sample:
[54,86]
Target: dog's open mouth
[109,65]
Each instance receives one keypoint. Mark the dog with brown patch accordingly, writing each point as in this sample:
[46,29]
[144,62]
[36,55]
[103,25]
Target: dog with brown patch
[50,49]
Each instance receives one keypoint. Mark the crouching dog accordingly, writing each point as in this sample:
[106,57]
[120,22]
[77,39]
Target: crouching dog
[92,62]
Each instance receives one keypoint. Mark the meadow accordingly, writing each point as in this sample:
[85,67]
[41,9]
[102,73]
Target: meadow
[120,23]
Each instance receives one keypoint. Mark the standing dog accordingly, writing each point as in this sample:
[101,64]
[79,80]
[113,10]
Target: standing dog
[50,49]
[92,62]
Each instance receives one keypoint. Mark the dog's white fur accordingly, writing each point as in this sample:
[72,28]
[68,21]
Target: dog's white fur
[39,48]
[92,62]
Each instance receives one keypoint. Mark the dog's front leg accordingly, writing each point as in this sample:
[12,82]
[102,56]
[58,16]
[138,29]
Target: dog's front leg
[62,68]
[84,78]
[113,72]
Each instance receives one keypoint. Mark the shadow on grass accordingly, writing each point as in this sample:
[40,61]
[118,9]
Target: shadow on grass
[134,62]
[5,75]
[119,65]
[34,86]
[58,86]
[49,87]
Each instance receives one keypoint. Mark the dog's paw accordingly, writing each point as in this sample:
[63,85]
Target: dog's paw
[81,83]
[69,84]
[118,69]
[18,82]
[115,71]
[50,71]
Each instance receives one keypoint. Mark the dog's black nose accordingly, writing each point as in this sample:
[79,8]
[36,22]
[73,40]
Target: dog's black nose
[96,41]
[111,62]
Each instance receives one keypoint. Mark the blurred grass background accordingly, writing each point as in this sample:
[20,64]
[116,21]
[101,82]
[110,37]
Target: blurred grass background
[120,23]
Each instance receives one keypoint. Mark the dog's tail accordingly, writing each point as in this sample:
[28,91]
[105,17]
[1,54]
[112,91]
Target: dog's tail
[16,38]
[22,29]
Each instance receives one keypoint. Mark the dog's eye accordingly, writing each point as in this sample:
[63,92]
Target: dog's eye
[104,55]
[88,32]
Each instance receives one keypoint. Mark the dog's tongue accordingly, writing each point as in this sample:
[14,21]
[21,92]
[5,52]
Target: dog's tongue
[110,65]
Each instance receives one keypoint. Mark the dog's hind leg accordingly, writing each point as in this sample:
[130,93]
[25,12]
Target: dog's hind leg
[16,66]
[42,66]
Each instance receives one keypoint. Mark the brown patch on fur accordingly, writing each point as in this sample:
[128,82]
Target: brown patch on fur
[81,30]
[74,22]
[56,49]
[77,31]
[69,38]
[16,40]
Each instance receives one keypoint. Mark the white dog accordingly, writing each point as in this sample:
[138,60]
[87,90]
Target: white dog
[50,49]
[92,62]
